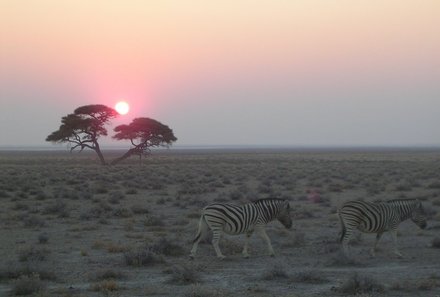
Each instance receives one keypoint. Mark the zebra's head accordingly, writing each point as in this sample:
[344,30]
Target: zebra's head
[418,216]
[284,215]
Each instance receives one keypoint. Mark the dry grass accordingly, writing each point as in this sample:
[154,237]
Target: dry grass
[63,214]
[358,284]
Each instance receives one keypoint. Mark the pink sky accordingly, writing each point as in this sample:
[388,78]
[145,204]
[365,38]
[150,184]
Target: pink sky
[318,72]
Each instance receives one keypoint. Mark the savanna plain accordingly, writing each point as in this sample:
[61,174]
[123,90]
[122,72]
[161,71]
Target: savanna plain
[71,227]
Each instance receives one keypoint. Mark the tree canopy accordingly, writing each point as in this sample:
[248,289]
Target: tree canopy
[143,133]
[84,127]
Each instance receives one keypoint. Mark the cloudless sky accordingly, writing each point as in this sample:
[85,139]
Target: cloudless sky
[227,72]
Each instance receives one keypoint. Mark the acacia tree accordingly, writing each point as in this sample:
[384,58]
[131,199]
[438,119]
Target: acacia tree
[143,133]
[84,127]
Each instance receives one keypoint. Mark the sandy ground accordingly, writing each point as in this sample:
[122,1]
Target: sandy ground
[70,227]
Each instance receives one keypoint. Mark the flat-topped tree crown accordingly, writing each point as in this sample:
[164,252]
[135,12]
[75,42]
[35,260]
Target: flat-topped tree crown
[83,128]
[143,133]
[99,112]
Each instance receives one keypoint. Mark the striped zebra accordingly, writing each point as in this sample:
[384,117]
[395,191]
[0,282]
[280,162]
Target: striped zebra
[233,219]
[379,218]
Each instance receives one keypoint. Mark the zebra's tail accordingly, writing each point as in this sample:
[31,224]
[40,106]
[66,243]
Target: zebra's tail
[343,229]
[203,226]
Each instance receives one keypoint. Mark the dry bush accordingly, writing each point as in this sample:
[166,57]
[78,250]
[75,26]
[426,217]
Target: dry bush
[32,253]
[358,284]
[33,221]
[27,285]
[277,271]
[57,208]
[115,197]
[122,212]
[152,220]
[131,191]
[43,238]
[198,290]
[142,257]
[15,270]
[340,259]
[20,206]
[425,284]
[309,276]
[139,209]
[115,248]
[185,274]
[168,248]
[105,286]
[106,274]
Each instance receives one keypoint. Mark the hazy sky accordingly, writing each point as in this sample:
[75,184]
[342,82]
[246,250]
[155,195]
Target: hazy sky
[275,72]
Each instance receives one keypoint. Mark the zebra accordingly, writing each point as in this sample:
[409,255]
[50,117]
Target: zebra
[233,219]
[378,218]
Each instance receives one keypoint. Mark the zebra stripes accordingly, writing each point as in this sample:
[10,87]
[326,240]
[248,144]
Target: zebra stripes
[379,218]
[233,219]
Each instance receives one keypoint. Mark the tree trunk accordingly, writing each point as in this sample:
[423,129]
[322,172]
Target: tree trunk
[124,156]
[100,155]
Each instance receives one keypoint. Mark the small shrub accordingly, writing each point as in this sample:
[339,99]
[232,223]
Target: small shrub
[340,259]
[14,271]
[357,284]
[403,187]
[167,248]
[27,285]
[277,271]
[20,206]
[131,191]
[185,274]
[43,238]
[141,257]
[32,254]
[122,212]
[107,274]
[198,290]
[105,286]
[139,209]
[115,248]
[116,197]
[309,276]
[160,201]
[151,220]
[59,208]
[34,221]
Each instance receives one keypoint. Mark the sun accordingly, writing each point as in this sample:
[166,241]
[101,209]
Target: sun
[122,107]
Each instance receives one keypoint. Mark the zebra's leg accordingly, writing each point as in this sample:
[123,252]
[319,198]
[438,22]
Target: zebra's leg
[217,233]
[345,238]
[396,251]
[200,233]
[246,244]
[373,250]
[263,235]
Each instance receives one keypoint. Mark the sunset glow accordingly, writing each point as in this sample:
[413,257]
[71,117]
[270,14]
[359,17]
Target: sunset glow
[318,71]
[122,107]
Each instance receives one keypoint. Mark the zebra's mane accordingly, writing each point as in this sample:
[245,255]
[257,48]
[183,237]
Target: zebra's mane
[268,199]
[402,200]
